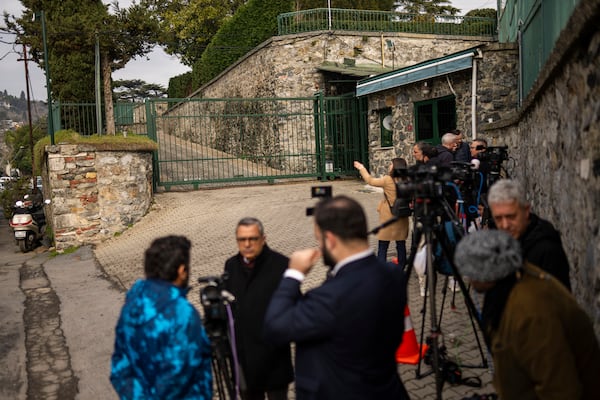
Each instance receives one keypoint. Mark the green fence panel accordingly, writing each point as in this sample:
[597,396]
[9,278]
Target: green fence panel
[322,19]
[219,141]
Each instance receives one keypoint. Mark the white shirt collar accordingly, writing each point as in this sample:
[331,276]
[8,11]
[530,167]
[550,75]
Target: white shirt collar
[348,260]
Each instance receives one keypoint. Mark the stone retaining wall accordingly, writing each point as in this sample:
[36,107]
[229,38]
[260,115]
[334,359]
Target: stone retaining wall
[95,194]
[554,145]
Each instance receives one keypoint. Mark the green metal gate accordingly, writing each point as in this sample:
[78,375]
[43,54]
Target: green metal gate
[217,141]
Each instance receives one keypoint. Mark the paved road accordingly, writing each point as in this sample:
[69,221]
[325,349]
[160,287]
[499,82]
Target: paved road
[58,314]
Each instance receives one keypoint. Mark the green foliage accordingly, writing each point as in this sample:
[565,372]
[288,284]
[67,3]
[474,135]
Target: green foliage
[380,5]
[181,86]
[254,23]
[188,26]
[437,7]
[72,28]
[482,12]
[20,144]
[136,90]
[13,191]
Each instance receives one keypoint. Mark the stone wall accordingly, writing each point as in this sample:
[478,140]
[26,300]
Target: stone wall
[496,92]
[287,66]
[554,145]
[95,193]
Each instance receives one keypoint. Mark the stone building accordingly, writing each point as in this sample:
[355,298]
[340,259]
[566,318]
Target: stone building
[538,95]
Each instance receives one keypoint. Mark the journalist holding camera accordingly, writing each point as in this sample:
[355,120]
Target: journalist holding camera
[397,231]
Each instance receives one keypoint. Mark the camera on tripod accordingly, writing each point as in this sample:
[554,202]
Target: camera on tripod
[428,181]
[494,156]
[214,300]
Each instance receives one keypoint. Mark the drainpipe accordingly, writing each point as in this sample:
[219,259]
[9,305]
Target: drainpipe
[474,99]
[382,53]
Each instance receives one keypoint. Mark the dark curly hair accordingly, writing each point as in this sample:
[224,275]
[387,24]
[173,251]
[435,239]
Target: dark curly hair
[165,255]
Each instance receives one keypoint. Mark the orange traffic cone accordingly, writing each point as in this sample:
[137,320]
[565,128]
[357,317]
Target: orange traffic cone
[409,350]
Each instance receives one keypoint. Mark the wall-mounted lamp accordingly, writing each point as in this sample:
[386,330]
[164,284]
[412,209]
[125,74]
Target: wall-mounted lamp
[426,88]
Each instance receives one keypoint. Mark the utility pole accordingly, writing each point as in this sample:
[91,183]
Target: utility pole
[47,68]
[29,114]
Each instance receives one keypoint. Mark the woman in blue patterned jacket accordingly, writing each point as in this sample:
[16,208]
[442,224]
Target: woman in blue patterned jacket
[161,348]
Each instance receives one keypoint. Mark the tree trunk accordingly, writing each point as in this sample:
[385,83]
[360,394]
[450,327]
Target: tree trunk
[108,98]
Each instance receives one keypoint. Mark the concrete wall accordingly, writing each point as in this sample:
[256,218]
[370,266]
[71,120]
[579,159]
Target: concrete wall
[554,144]
[95,194]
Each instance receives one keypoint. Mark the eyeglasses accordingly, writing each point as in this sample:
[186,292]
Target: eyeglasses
[251,239]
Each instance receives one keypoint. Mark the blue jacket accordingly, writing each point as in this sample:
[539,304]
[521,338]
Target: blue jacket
[161,348]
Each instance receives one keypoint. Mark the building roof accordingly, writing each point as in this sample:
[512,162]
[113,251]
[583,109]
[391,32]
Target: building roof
[418,72]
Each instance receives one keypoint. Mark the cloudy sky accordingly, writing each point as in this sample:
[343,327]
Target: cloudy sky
[158,67]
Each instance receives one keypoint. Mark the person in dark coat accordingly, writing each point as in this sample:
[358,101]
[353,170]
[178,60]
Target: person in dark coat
[540,241]
[252,276]
[542,342]
[348,329]
[462,152]
[445,151]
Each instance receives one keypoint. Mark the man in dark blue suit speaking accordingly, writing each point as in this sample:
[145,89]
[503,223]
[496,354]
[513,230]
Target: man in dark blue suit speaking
[348,329]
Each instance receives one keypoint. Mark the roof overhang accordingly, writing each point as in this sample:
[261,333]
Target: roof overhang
[352,69]
[418,72]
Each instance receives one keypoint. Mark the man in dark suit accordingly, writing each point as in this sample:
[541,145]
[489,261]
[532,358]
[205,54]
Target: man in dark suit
[252,276]
[348,329]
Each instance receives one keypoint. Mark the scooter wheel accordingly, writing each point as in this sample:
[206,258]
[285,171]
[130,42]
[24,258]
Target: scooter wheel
[27,244]
[23,246]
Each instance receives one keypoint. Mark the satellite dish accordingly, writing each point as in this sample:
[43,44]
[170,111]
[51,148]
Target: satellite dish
[387,123]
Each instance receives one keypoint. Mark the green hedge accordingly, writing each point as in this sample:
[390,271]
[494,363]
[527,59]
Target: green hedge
[251,25]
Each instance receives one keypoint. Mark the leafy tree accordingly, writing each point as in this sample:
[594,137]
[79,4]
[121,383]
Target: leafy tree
[482,12]
[255,22]
[136,90]
[19,143]
[69,26]
[381,5]
[187,26]
[430,7]
[73,29]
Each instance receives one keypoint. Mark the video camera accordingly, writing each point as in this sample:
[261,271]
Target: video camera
[318,192]
[494,156]
[213,299]
[428,181]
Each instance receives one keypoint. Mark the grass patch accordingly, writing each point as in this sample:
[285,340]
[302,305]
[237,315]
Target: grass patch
[68,250]
[98,142]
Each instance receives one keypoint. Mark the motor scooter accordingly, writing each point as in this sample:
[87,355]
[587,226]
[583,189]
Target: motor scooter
[28,223]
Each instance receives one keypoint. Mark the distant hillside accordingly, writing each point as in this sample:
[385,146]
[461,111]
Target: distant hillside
[15,108]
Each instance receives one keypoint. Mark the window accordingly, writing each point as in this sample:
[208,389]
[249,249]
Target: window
[434,117]
[387,131]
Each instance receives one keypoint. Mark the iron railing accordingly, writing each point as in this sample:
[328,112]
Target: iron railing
[214,141]
[81,117]
[336,19]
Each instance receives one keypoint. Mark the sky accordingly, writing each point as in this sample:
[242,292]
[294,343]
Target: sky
[157,67]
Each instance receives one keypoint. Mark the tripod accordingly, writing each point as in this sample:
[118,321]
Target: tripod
[429,213]
[219,325]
